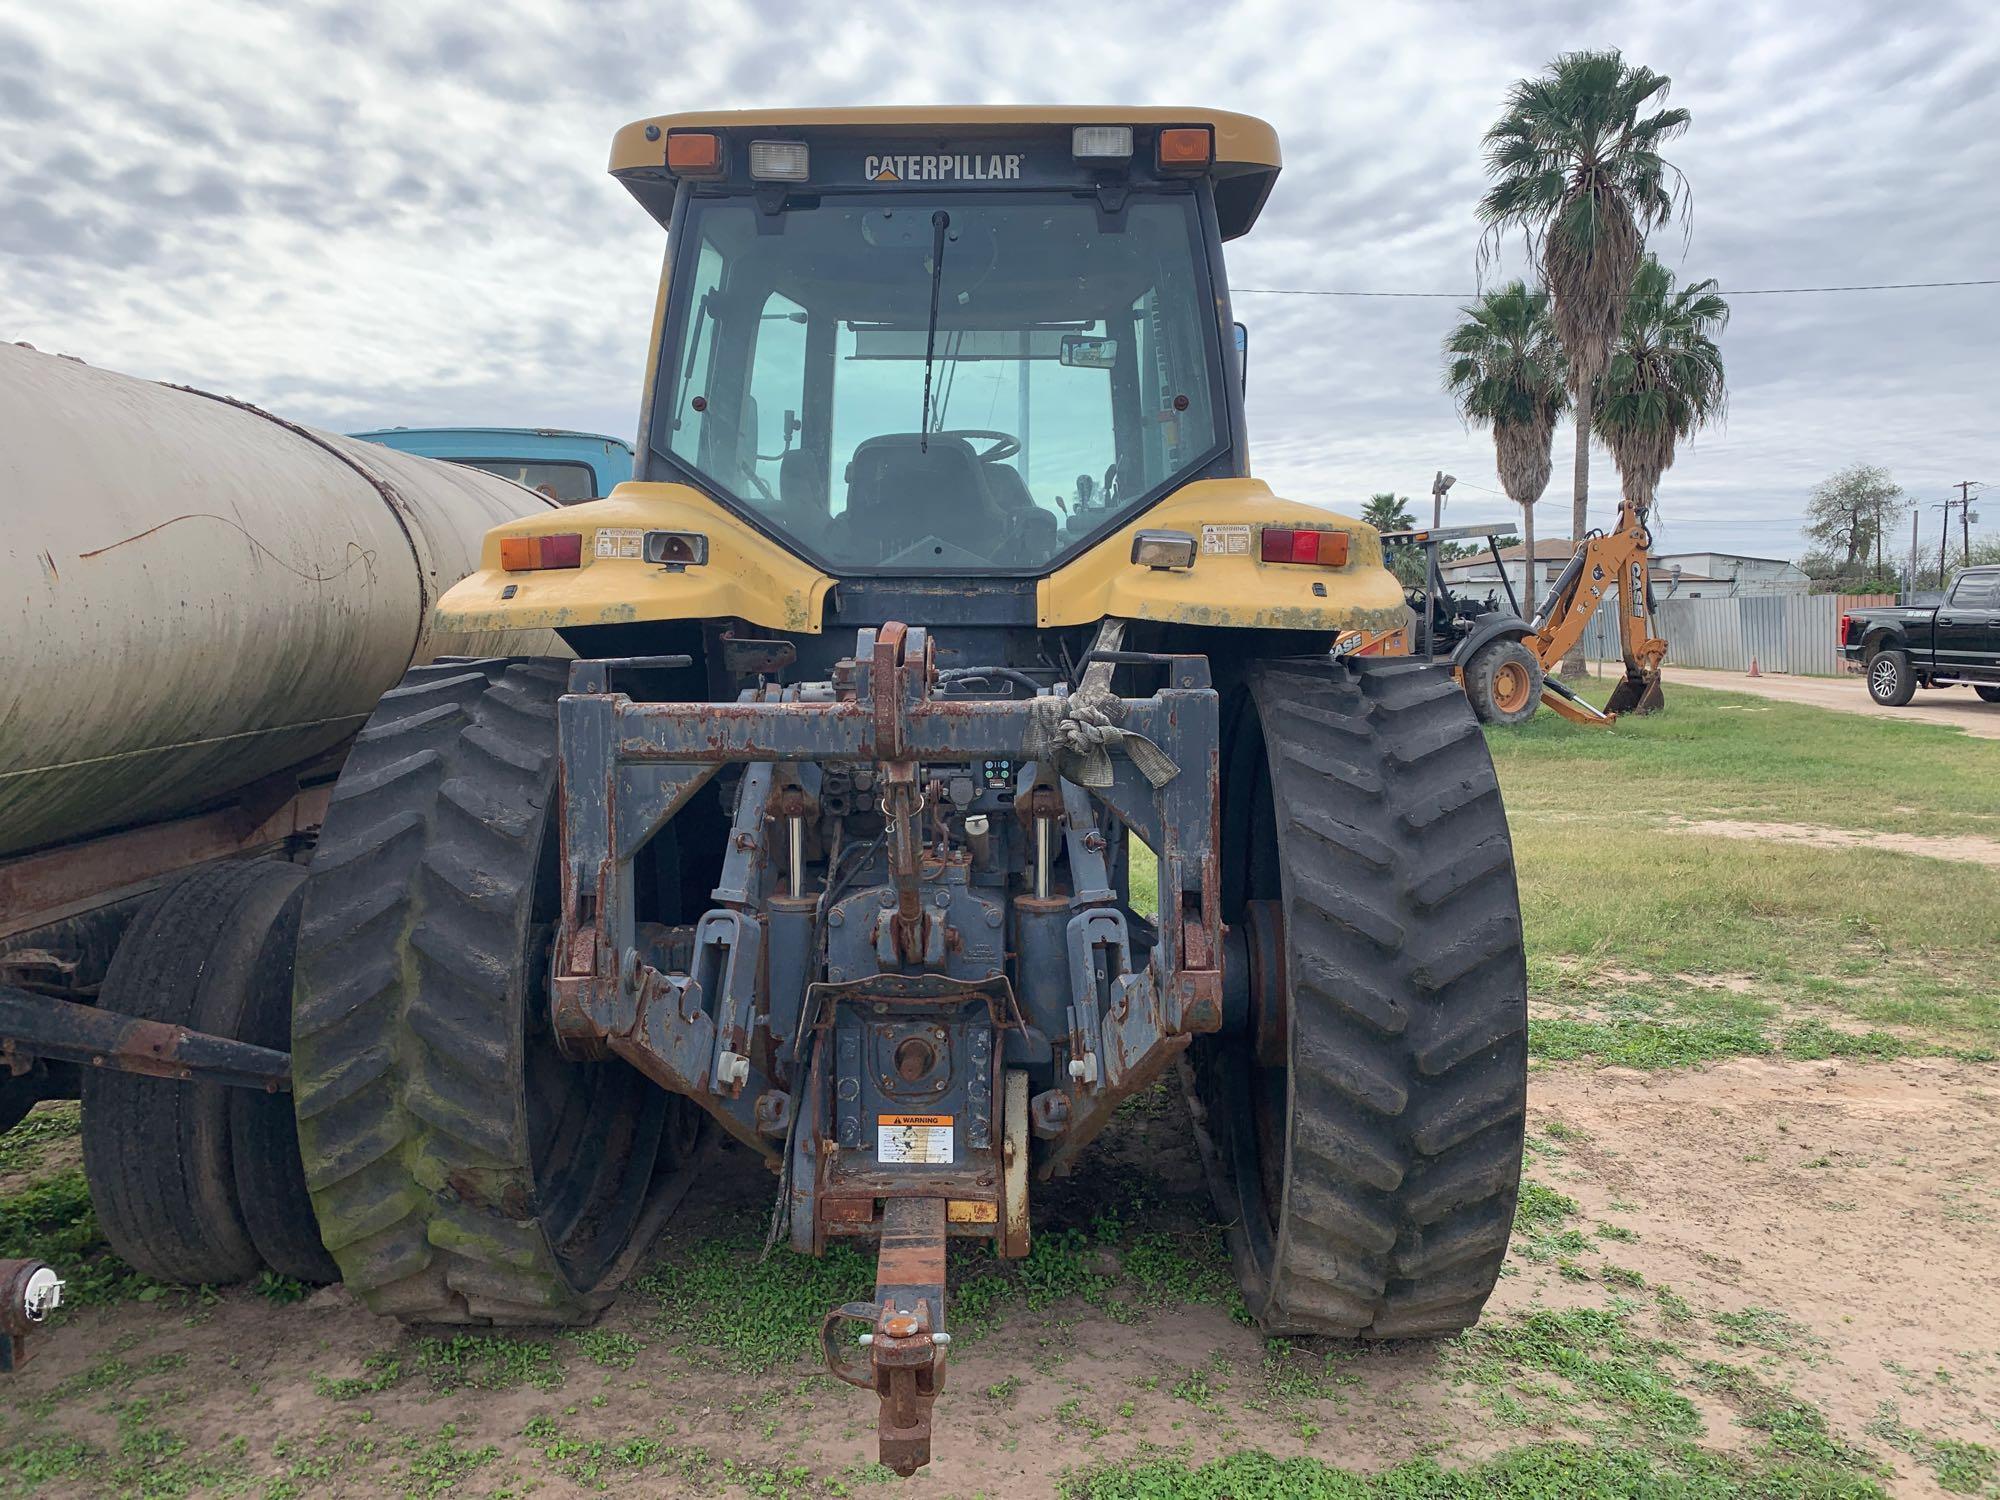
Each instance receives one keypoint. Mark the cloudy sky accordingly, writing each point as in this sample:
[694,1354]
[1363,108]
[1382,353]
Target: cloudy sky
[395,211]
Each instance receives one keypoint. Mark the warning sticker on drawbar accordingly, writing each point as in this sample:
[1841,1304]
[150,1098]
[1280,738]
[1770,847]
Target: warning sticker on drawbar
[913,1138]
[1230,541]
[620,541]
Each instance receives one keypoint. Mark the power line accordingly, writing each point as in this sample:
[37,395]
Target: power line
[1754,291]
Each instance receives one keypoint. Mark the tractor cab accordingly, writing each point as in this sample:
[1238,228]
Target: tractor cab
[965,347]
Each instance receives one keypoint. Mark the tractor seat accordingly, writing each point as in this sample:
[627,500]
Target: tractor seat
[900,490]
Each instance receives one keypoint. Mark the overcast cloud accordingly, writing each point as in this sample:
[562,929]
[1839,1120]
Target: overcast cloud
[369,213]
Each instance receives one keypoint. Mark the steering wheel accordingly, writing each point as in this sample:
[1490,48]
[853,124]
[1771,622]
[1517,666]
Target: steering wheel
[1005,444]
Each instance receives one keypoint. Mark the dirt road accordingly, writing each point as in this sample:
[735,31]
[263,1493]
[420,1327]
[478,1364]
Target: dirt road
[1957,707]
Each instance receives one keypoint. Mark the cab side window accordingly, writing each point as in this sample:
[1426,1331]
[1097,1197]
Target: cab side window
[1976,591]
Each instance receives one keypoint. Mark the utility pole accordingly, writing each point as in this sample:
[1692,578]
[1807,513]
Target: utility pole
[1944,536]
[1915,516]
[1965,488]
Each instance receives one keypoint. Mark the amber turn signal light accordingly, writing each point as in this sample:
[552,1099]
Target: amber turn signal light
[1184,148]
[694,153]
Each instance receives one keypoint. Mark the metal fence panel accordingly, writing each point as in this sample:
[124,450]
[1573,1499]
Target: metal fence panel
[1782,632]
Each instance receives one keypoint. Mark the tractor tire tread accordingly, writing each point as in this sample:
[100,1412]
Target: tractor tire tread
[412,1121]
[1409,1033]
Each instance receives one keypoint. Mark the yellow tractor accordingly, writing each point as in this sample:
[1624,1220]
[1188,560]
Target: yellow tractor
[953,748]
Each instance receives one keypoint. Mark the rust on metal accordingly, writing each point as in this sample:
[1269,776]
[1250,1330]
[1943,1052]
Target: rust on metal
[39,889]
[42,1026]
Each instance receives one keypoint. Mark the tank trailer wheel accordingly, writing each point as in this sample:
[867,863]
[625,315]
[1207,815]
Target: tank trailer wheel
[1503,681]
[463,1170]
[166,1164]
[1363,1130]
[263,1131]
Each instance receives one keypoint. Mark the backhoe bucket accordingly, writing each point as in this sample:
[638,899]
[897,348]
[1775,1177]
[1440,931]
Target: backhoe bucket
[1636,695]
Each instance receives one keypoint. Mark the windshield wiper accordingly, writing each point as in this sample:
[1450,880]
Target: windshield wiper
[940,222]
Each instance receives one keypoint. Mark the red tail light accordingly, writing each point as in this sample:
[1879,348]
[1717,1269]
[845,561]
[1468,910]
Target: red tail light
[1841,637]
[528,554]
[1298,544]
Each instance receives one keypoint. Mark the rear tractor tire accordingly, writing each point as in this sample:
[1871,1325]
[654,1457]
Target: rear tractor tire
[463,1170]
[195,1182]
[1364,1137]
[1503,682]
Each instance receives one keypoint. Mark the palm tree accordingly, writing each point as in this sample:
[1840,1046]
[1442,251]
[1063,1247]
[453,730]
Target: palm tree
[1504,368]
[1385,512]
[1665,378]
[1578,170]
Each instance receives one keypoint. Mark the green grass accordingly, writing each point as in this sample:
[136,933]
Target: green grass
[22,1148]
[753,1313]
[1716,754]
[1542,1471]
[52,1220]
[1638,932]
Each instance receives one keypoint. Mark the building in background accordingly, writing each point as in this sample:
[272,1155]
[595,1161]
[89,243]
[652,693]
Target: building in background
[1725,575]
[1477,575]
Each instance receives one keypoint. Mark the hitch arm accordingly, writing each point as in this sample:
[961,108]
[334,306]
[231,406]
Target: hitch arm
[904,1350]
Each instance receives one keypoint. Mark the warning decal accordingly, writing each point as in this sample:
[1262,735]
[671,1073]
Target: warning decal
[619,541]
[913,1138]
[1229,541]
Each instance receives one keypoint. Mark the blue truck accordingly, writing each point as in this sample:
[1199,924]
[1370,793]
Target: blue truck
[566,466]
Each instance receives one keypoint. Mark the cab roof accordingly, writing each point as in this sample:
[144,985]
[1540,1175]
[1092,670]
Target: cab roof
[1246,148]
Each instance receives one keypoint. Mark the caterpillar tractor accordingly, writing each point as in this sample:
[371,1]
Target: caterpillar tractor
[952,749]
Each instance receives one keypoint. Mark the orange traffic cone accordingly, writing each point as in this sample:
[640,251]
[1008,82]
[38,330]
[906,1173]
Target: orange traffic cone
[1753,672]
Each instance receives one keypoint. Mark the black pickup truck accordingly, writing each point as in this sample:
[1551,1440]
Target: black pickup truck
[1902,648]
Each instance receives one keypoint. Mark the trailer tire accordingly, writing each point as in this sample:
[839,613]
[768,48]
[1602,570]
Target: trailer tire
[158,1154]
[1366,1151]
[263,1130]
[1987,694]
[463,1171]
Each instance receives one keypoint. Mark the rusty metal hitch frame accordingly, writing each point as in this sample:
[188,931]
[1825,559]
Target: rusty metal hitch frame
[906,1340]
[33,1026]
[628,767]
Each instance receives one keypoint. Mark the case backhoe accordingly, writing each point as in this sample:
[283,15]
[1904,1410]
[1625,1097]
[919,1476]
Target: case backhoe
[1507,663]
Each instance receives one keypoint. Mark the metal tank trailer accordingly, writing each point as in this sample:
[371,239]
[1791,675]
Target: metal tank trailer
[202,604]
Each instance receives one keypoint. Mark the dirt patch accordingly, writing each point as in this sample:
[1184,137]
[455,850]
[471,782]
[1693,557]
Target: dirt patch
[1841,1219]
[1831,1229]
[1963,848]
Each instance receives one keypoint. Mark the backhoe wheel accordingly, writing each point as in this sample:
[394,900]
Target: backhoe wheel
[160,1155]
[1891,681]
[463,1170]
[1364,1136]
[1503,682]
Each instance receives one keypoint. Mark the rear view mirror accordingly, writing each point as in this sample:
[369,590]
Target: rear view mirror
[1085,352]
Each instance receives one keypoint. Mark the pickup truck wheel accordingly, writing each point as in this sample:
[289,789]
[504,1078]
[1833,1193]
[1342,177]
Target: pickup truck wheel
[1891,683]
[1990,694]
